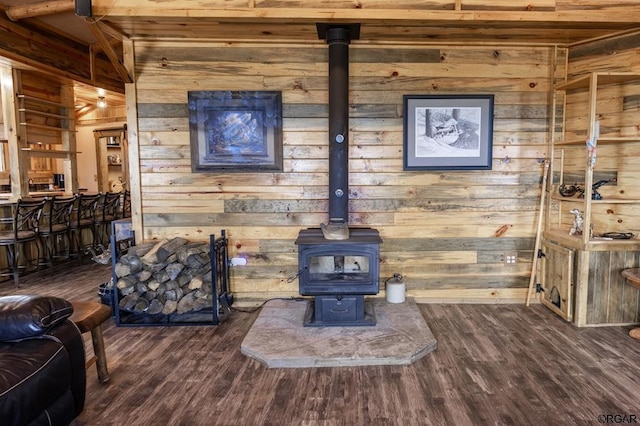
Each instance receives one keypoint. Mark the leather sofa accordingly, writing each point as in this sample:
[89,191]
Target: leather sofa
[42,362]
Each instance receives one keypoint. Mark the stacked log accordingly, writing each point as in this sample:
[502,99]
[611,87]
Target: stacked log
[167,277]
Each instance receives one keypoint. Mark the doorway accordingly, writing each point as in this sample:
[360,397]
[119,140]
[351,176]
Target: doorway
[112,161]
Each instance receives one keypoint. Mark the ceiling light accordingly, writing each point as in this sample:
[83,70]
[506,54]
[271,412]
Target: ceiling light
[102,103]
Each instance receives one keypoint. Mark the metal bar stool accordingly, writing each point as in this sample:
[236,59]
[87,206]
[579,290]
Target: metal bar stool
[56,224]
[126,204]
[19,230]
[83,219]
[107,212]
[88,317]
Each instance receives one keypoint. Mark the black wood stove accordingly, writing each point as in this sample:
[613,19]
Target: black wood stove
[339,273]
[338,264]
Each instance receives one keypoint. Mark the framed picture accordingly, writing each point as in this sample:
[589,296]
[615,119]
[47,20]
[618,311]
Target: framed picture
[448,132]
[235,131]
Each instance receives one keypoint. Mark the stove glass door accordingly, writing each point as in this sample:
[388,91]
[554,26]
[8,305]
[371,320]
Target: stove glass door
[339,268]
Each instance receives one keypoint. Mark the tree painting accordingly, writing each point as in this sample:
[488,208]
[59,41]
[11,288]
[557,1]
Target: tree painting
[447,132]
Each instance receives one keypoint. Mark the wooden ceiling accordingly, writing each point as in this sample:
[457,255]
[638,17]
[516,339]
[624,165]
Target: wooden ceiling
[491,22]
[371,32]
[48,37]
[87,98]
[562,22]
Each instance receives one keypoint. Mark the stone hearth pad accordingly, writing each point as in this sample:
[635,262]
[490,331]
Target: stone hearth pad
[278,339]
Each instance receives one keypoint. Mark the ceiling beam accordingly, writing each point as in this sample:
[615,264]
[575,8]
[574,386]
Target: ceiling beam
[600,13]
[31,10]
[95,28]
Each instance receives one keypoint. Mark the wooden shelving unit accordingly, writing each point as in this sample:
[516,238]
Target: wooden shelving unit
[39,119]
[580,272]
[49,130]
[112,175]
[49,153]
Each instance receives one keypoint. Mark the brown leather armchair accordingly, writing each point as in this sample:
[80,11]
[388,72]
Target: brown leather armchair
[42,362]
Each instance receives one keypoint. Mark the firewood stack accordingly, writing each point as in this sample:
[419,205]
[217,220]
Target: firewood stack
[168,277]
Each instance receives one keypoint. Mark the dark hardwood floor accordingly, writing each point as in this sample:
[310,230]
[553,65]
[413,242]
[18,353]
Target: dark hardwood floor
[495,365]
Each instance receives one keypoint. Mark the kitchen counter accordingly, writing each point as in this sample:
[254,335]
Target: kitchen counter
[47,193]
[5,197]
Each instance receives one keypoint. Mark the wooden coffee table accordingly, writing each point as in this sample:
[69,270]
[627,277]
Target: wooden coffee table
[89,316]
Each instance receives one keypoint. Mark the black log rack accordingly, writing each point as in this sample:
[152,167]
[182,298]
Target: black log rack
[222,299]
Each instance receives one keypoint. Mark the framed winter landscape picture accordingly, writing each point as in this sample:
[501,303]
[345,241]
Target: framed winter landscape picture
[448,132]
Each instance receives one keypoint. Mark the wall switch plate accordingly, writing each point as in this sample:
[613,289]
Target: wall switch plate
[510,258]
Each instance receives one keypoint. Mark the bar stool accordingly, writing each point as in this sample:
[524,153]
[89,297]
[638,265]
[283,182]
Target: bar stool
[632,277]
[55,223]
[126,204]
[83,219]
[19,230]
[107,212]
[88,317]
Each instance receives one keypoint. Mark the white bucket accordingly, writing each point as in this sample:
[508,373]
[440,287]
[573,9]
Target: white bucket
[395,289]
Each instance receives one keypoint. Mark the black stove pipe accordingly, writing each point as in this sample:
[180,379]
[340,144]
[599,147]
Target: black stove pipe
[338,39]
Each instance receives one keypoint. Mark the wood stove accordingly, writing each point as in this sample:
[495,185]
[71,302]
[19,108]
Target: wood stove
[339,273]
[338,264]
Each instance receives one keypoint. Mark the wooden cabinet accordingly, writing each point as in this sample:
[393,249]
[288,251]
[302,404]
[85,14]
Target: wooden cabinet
[586,286]
[557,268]
[111,150]
[595,145]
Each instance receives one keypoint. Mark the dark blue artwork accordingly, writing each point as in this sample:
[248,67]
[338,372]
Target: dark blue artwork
[231,133]
[236,131]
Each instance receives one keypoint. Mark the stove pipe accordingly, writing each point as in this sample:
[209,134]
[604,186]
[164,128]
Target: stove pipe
[338,38]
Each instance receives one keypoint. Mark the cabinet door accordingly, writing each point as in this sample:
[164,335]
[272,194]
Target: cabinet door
[557,279]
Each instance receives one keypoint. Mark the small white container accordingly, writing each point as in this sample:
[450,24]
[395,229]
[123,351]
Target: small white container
[395,289]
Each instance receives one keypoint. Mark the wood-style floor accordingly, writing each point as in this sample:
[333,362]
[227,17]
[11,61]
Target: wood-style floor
[495,365]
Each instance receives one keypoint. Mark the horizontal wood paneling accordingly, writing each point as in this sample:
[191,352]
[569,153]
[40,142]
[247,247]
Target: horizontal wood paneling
[445,231]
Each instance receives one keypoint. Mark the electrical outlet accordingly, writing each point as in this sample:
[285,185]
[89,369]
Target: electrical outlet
[510,257]
[238,261]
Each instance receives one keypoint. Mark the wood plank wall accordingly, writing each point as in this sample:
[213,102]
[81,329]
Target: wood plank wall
[445,231]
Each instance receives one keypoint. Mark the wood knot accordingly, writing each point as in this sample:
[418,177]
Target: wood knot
[502,230]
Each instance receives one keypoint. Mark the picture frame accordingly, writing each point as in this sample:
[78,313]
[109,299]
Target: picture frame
[235,131]
[448,132]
